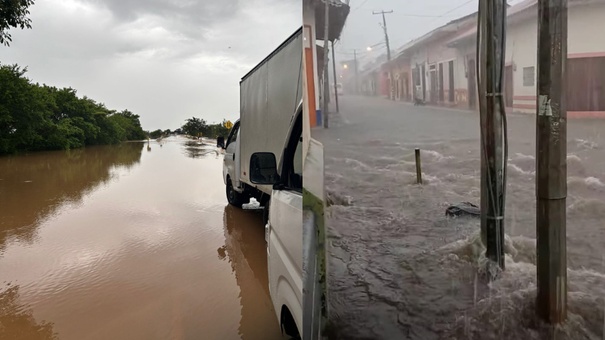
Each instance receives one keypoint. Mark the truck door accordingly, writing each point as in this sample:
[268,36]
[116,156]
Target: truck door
[284,234]
[232,159]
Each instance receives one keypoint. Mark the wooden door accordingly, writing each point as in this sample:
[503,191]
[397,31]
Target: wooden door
[586,84]
[441,84]
[472,85]
[452,90]
[434,86]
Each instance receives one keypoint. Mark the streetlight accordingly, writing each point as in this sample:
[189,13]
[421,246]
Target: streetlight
[345,66]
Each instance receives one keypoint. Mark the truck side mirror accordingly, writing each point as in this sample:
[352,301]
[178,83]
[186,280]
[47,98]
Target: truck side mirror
[263,168]
[220,142]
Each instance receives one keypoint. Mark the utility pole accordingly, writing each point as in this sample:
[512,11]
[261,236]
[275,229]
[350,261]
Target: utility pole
[386,38]
[491,44]
[334,71]
[551,161]
[386,34]
[326,82]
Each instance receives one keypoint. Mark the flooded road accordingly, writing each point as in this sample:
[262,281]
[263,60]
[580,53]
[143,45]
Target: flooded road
[400,269]
[129,242]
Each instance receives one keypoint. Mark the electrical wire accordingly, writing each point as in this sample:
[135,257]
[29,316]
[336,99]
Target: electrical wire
[486,46]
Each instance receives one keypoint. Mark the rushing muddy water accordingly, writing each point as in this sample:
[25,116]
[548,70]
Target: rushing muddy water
[129,242]
[399,268]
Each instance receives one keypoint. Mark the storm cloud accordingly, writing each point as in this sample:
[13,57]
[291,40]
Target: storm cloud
[166,60]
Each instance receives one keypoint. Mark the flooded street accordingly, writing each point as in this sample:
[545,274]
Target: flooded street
[134,241]
[399,268]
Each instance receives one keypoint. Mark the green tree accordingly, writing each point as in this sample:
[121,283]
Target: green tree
[13,14]
[156,134]
[195,127]
[40,117]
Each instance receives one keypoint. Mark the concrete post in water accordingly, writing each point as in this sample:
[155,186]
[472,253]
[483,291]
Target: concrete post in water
[551,161]
[326,82]
[418,167]
[491,44]
[335,82]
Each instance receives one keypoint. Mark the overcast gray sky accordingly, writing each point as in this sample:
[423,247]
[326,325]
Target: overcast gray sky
[410,19]
[165,60]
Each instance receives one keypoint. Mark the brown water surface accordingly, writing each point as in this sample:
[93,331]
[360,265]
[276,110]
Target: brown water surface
[129,242]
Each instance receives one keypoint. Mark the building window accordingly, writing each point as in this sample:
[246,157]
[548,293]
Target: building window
[528,76]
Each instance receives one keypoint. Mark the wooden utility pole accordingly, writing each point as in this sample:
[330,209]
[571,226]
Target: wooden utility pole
[551,161]
[491,44]
[335,83]
[326,82]
[386,34]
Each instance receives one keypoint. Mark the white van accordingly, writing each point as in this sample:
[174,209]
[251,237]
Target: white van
[283,231]
[263,159]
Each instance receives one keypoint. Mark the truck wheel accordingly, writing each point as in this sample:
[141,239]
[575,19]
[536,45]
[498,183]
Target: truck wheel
[233,197]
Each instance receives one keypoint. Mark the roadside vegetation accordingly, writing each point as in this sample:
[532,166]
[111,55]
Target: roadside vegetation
[37,117]
[197,127]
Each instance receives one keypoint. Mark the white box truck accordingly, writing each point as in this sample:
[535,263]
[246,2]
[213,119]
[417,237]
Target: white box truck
[270,95]
[264,159]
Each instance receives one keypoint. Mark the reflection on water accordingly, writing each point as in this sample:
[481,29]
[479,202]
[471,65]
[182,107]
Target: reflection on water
[17,322]
[34,186]
[122,244]
[196,149]
[245,248]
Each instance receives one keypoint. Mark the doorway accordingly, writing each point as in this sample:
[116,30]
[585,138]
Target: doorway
[441,84]
[472,85]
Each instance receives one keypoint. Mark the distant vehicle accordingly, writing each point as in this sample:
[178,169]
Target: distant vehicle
[263,159]
[338,89]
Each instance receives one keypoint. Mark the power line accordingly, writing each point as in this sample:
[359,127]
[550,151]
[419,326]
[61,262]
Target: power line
[444,14]
[358,7]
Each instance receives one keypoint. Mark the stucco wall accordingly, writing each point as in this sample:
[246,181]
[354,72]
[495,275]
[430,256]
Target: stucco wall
[586,24]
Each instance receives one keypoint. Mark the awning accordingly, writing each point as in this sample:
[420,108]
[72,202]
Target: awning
[337,18]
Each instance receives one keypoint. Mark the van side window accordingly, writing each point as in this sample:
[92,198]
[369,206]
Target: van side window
[298,158]
[292,169]
[233,135]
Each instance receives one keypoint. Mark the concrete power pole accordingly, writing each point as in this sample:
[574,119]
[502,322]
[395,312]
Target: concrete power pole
[335,82]
[386,34]
[551,161]
[386,38]
[326,82]
[491,44]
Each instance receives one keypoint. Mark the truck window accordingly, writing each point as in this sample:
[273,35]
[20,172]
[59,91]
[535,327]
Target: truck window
[292,170]
[298,158]
[233,135]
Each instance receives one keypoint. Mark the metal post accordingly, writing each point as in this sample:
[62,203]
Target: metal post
[326,82]
[551,161]
[491,52]
[418,167]
[335,83]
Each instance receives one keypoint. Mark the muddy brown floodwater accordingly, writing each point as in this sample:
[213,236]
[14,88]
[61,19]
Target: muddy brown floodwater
[401,269]
[129,242]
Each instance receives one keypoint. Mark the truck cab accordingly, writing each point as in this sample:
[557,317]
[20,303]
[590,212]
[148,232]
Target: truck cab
[232,168]
[283,231]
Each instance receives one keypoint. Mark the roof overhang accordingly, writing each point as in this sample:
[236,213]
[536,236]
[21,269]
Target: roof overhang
[523,11]
[338,13]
